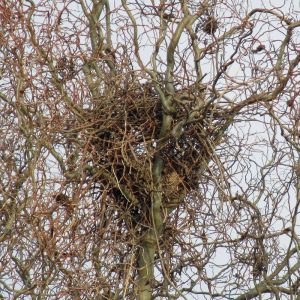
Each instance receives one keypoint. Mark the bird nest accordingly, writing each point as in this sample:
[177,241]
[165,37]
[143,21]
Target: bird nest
[123,138]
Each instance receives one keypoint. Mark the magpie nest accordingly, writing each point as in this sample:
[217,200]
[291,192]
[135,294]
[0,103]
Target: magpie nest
[207,24]
[210,25]
[122,137]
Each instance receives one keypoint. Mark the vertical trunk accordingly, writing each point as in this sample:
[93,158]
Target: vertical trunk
[146,263]
[150,240]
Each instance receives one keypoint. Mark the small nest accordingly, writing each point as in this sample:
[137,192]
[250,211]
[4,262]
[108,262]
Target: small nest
[210,26]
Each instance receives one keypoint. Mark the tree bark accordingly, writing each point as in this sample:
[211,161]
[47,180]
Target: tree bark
[150,240]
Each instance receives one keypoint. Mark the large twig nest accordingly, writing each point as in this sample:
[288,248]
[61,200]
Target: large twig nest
[123,137]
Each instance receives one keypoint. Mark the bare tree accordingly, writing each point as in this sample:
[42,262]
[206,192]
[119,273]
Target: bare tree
[149,149]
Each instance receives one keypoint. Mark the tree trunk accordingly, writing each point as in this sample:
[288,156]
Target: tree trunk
[150,240]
